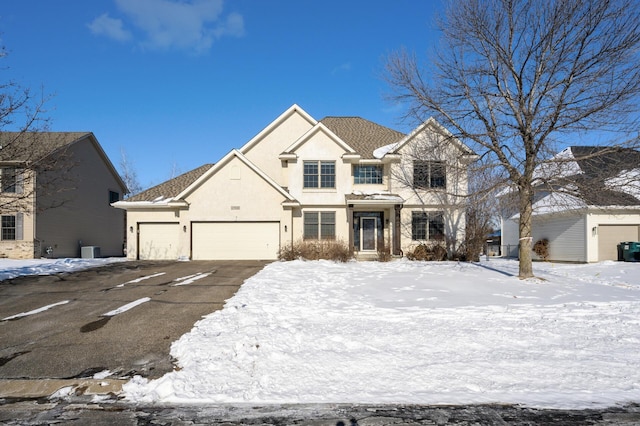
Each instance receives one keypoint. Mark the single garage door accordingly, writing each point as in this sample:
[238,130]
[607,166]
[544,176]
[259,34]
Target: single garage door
[609,236]
[158,241]
[235,240]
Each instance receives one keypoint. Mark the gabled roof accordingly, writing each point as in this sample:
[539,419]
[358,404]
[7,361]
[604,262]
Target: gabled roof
[362,135]
[440,129]
[314,130]
[171,188]
[31,147]
[234,153]
[597,170]
[293,109]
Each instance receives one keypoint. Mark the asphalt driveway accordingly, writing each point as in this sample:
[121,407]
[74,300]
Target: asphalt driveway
[122,317]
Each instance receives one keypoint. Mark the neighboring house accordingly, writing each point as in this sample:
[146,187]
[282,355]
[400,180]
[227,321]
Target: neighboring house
[56,191]
[594,206]
[302,179]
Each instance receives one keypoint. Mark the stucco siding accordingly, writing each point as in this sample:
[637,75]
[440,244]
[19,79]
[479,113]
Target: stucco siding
[454,221]
[264,154]
[320,148]
[235,193]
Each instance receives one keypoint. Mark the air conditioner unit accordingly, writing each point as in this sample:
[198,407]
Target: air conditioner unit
[90,252]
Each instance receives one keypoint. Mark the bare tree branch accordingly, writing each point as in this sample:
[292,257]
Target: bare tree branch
[518,80]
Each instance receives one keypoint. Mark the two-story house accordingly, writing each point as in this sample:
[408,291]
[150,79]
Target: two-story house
[341,178]
[56,190]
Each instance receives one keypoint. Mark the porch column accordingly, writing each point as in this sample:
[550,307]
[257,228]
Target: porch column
[350,225]
[397,251]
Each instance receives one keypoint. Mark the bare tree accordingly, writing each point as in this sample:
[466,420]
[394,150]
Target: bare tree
[28,151]
[129,174]
[433,171]
[518,79]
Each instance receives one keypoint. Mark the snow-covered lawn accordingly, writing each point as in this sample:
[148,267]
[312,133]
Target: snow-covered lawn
[407,332]
[11,268]
[414,332]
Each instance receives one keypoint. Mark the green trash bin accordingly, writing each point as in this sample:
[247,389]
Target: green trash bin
[630,251]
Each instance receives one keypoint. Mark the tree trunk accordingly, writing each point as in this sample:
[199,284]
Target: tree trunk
[526,239]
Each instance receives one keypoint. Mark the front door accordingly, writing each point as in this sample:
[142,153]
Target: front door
[368,233]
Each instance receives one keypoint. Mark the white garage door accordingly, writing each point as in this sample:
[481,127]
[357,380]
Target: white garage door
[235,240]
[158,241]
[609,236]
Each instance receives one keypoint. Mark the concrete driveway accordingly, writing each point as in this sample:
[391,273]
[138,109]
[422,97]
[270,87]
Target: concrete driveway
[147,310]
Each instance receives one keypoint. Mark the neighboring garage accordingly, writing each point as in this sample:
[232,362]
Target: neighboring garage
[235,240]
[158,241]
[609,236]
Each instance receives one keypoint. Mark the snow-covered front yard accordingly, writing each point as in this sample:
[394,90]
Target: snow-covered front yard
[407,332]
[414,332]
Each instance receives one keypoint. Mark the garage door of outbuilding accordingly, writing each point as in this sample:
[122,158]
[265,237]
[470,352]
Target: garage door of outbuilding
[609,236]
[158,241]
[235,240]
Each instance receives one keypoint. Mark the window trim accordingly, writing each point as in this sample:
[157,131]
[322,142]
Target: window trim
[113,194]
[376,173]
[16,177]
[427,179]
[426,223]
[324,223]
[318,178]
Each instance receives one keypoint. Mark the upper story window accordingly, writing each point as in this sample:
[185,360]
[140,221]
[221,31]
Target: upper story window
[367,174]
[114,196]
[429,174]
[319,174]
[10,180]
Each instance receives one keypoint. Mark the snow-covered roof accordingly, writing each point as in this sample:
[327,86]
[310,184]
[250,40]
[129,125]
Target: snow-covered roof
[374,196]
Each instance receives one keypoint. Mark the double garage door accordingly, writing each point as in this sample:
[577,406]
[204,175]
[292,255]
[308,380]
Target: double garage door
[235,240]
[211,240]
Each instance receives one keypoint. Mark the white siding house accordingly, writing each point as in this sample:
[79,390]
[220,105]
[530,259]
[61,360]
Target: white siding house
[601,211]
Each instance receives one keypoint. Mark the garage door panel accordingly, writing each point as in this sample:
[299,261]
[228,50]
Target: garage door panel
[609,236]
[158,241]
[235,240]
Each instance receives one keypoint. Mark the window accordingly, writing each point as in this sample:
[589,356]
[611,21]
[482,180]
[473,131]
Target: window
[429,174]
[9,177]
[8,227]
[319,225]
[369,174]
[114,196]
[427,226]
[11,227]
[319,174]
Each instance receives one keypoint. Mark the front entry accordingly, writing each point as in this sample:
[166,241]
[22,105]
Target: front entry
[368,231]
[368,234]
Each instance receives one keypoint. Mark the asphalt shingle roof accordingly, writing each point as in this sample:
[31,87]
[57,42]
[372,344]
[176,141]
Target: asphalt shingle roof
[362,135]
[33,146]
[173,187]
[599,164]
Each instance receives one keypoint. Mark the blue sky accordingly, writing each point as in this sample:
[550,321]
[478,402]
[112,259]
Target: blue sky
[177,84]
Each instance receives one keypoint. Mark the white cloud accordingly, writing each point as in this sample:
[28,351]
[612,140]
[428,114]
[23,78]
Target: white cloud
[186,25]
[110,27]
[346,67]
